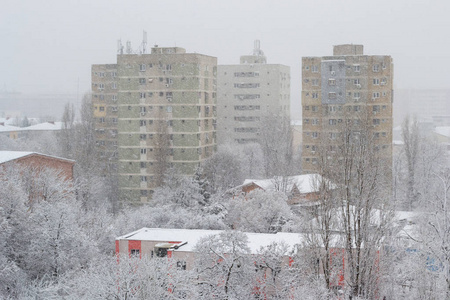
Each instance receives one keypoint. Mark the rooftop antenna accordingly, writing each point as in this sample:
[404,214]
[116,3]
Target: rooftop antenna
[129,51]
[257,48]
[119,47]
[144,42]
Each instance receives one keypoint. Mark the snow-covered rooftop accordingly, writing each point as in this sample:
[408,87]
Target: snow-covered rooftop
[48,126]
[6,156]
[12,155]
[192,236]
[443,130]
[305,183]
[9,128]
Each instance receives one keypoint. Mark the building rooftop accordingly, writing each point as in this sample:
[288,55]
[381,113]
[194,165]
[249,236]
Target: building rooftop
[192,236]
[6,156]
[305,183]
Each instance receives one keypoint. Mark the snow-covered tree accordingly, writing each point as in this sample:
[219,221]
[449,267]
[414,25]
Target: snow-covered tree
[259,211]
[223,268]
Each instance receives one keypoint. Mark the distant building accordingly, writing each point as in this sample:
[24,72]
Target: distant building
[300,189]
[179,244]
[425,104]
[15,132]
[37,161]
[346,88]
[246,93]
[154,111]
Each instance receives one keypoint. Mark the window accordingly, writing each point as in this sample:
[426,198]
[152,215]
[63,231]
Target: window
[332,121]
[101,97]
[376,81]
[144,178]
[315,95]
[376,68]
[315,108]
[142,137]
[246,85]
[101,74]
[357,82]
[356,68]
[114,85]
[376,121]
[101,120]
[143,151]
[333,135]
[331,81]
[144,193]
[113,74]
[375,108]
[142,67]
[181,265]
[101,86]
[315,82]
[315,135]
[332,95]
[134,252]
[141,81]
[142,95]
[315,121]
[169,109]
[169,96]
[314,69]
[114,108]
[143,109]
[114,98]
[383,81]
[143,122]
[356,108]
[376,95]
[114,120]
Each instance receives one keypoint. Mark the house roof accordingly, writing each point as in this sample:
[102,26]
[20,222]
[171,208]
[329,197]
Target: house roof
[304,183]
[6,156]
[443,130]
[193,236]
[38,127]
[9,128]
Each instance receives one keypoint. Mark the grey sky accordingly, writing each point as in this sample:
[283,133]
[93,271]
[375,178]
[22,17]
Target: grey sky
[48,45]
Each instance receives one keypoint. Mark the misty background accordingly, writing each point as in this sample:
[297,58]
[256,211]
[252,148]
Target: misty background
[48,47]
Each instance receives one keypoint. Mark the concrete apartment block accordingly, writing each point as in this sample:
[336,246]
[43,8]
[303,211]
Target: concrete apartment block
[246,93]
[166,115]
[341,88]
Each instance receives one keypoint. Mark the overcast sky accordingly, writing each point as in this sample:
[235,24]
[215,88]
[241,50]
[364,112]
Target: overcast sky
[49,46]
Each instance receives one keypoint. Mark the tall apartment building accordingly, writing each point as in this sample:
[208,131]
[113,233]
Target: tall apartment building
[246,93]
[346,88]
[155,111]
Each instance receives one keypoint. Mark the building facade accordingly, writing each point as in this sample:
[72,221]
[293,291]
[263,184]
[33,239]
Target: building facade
[348,89]
[155,111]
[246,93]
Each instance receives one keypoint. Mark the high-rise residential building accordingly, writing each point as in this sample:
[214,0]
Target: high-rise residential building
[346,88]
[155,111]
[247,93]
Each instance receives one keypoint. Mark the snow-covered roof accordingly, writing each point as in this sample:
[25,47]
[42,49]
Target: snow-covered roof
[192,236]
[304,183]
[443,130]
[38,127]
[6,156]
[8,121]
[12,155]
[9,128]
